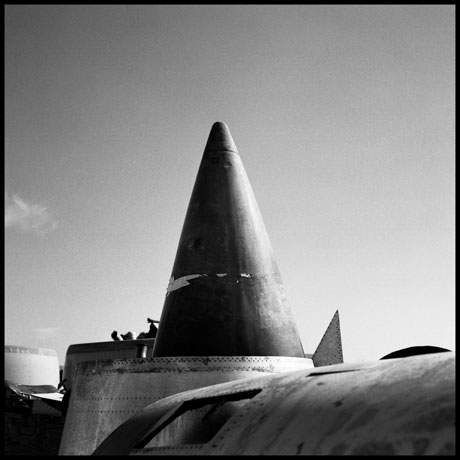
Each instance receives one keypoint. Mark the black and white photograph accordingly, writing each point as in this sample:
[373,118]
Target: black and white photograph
[229,229]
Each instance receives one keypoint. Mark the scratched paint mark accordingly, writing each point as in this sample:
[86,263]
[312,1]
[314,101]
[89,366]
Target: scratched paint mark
[220,275]
[181,282]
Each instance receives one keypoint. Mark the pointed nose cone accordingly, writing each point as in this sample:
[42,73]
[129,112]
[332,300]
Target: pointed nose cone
[225,296]
[220,139]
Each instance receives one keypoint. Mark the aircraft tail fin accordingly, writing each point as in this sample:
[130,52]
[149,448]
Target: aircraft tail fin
[329,350]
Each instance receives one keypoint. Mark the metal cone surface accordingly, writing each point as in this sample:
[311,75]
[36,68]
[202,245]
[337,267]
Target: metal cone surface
[225,295]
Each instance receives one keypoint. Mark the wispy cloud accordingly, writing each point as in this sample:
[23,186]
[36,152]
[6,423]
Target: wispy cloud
[27,217]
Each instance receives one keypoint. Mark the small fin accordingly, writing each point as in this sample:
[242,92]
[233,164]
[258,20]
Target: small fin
[329,350]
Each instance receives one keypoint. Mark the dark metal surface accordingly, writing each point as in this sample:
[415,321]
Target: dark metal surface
[225,295]
[31,434]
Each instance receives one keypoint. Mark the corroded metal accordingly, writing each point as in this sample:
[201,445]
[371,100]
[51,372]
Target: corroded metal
[120,349]
[390,407]
[225,295]
[106,393]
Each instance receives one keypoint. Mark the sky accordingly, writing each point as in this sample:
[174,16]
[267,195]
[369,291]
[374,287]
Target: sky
[344,120]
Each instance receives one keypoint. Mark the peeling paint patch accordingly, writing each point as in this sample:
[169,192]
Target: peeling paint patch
[180,282]
[246,275]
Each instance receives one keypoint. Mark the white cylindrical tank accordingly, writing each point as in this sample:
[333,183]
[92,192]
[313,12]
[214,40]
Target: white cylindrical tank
[31,366]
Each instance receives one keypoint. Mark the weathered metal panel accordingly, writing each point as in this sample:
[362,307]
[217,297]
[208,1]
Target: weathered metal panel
[401,407]
[395,407]
[80,352]
[107,393]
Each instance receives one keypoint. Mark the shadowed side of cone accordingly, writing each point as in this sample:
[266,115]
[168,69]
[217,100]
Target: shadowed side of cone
[225,296]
